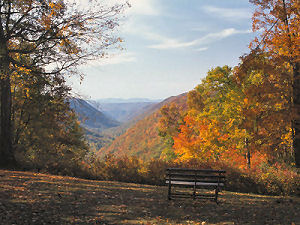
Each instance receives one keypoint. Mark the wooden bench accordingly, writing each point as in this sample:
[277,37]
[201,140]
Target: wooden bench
[197,179]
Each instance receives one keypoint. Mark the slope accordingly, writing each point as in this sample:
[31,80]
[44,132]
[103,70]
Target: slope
[90,117]
[142,139]
[123,112]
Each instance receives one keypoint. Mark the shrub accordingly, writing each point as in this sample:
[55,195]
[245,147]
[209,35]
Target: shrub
[276,179]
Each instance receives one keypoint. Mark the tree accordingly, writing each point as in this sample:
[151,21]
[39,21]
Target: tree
[48,37]
[211,126]
[236,114]
[279,21]
[265,90]
[168,126]
[47,134]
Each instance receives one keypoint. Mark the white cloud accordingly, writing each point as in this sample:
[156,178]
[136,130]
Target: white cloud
[170,43]
[228,13]
[201,49]
[222,34]
[213,37]
[112,59]
[167,43]
[133,24]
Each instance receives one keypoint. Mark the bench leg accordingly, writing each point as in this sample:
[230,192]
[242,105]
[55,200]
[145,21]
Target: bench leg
[194,192]
[216,195]
[169,191]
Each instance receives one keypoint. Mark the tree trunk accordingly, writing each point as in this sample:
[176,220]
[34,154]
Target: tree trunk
[296,113]
[296,93]
[248,153]
[6,150]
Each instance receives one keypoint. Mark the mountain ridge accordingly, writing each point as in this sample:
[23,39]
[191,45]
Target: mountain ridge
[91,117]
[125,100]
[141,138]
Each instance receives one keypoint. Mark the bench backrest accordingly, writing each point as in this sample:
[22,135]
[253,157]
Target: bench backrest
[200,176]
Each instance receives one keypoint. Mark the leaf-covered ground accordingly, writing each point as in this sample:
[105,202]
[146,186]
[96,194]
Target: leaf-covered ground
[33,198]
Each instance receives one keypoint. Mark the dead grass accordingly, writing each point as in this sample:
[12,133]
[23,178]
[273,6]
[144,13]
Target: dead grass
[33,198]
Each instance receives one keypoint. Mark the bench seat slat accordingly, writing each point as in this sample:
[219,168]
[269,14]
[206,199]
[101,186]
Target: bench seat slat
[215,179]
[197,170]
[193,175]
[198,180]
[193,183]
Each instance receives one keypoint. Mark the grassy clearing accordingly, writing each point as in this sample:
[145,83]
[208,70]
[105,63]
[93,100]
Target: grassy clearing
[33,198]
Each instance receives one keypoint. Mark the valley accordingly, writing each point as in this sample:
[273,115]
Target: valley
[141,137]
[111,124]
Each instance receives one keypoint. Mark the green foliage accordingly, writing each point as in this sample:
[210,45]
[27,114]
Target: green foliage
[168,126]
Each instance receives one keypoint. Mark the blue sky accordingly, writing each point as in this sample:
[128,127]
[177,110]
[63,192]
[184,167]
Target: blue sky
[169,45]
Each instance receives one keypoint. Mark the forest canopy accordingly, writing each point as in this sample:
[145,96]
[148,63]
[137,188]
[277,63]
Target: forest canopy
[41,43]
[248,114]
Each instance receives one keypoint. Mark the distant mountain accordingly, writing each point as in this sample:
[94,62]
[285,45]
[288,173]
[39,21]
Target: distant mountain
[123,100]
[90,117]
[122,110]
[142,139]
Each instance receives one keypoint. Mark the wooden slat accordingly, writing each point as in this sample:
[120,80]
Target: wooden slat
[192,196]
[198,180]
[202,170]
[193,175]
[190,183]
[185,194]
[205,195]
[199,173]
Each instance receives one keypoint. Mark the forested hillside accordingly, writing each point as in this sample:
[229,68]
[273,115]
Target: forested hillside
[99,127]
[90,117]
[142,139]
[123,110]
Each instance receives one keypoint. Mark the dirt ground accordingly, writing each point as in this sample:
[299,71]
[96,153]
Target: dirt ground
[33,198]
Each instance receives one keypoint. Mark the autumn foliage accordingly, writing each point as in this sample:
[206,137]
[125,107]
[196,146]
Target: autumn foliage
[243,114]
[277,179]
[41,43]
[245,118]
[279,23]
[248,115]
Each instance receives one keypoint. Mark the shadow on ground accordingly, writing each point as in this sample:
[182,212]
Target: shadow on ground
[31,198]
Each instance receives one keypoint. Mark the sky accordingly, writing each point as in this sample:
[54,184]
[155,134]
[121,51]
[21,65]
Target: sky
[168,47]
